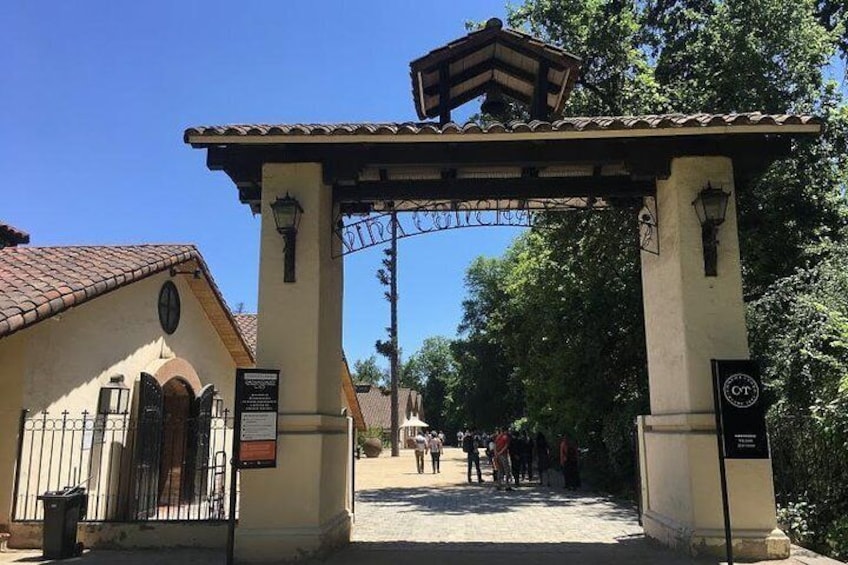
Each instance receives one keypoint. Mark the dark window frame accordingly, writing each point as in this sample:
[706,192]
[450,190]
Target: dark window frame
[169,307]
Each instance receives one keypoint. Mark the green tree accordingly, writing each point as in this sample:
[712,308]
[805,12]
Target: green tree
[799,329]
[434,370]
[487,392]
[367,371]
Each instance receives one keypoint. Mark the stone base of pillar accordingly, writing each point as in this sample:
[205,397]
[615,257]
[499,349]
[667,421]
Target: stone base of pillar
[681,493]
[748,545]
[293,544]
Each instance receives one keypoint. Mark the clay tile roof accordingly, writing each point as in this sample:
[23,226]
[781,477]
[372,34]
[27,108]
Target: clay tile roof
[578,124]
[247,326]
[10,236]
[376,405]
[39,282]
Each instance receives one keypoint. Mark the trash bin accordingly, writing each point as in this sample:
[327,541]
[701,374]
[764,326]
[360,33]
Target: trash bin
[63,509]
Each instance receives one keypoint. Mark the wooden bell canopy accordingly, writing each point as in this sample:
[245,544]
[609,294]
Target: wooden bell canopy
[494,62]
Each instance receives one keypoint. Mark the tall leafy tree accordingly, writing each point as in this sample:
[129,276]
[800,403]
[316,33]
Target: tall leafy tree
[434,370]
[367,371]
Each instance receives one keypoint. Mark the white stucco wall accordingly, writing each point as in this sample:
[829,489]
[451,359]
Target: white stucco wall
[69,357]
[61,363]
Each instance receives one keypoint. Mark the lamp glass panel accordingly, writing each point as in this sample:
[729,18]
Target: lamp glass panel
[286,211]
[715,204]
[284,214]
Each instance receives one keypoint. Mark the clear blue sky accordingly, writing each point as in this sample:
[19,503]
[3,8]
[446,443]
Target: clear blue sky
[95,97]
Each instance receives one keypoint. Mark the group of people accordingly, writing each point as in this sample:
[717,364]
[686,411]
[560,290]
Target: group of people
[432,443]
[512,455]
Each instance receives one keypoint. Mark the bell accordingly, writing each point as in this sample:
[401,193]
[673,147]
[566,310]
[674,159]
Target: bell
[495,104]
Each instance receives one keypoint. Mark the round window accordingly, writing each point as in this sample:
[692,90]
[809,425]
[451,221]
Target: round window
[169,307]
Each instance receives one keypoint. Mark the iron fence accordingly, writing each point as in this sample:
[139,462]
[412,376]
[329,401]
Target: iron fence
[133,469]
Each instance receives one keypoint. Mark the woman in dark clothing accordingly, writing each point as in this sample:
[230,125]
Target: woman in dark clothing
[568,459]
[543,461]
[516,446]
[526,457]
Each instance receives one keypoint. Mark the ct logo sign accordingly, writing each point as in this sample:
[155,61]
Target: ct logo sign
[741,390]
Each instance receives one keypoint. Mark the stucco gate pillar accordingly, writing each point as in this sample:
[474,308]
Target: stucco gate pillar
[298,508]
[689,319]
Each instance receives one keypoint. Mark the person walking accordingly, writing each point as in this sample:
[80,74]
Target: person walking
[502,459]
[543,460]
[436,449]
[526,456]
[568,454]
[470,445]
[515,448]
[420,449]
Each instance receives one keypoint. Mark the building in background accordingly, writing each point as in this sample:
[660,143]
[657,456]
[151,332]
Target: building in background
[376,406]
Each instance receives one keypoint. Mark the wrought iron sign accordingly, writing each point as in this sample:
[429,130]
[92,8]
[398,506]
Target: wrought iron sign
[360,231]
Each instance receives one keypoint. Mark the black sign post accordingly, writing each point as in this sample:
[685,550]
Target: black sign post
[254,432]
[740,422]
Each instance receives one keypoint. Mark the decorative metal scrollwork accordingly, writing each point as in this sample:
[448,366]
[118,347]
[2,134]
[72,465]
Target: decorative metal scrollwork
[357,232]
[649,237]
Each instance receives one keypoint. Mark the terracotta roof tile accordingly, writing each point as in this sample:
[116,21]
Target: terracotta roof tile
[9,236]
[376,405]
[605,123]
[247,324]
[39,282]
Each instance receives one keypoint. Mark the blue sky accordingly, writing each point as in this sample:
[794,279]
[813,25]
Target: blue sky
[96,95]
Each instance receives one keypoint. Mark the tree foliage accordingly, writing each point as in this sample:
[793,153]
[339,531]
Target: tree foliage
[799,328]
[367,371]
[553,329]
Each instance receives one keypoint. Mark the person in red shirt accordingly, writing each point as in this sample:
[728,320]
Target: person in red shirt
[502,459]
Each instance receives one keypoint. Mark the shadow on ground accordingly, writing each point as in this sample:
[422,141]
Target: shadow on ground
[485,499]
[631,550]
[635,550]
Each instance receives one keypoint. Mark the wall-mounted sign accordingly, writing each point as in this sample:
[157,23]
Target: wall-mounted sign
[257,399]
[740,411]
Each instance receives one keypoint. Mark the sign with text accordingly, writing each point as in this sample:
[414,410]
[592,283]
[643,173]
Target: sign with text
[257,399]
[740,412]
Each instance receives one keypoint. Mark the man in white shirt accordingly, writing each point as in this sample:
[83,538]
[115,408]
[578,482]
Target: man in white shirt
[420,449]
[435,446]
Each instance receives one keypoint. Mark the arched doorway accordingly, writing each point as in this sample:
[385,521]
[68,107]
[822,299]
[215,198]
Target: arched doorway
[174,482]
[172,441]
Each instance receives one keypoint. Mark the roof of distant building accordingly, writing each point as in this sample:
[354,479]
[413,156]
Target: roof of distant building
[376,404]
[11,236]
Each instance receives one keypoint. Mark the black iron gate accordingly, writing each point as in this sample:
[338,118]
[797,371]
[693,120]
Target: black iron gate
[120,462]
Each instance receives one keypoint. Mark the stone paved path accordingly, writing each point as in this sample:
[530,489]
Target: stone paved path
[404,517]
[398,504]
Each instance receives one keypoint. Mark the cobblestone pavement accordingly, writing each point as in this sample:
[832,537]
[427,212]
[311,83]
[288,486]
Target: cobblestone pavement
[400,505]
[439,519]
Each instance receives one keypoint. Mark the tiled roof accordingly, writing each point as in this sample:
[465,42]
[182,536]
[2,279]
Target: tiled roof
[376,405]
[39,282]
[247,326]
[492,55]
[10,235]
[603,123]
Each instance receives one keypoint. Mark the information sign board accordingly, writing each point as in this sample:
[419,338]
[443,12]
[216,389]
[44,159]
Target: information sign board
[257,394]
[740,410]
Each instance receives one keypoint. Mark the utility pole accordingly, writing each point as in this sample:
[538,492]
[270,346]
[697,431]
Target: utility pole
[393,335]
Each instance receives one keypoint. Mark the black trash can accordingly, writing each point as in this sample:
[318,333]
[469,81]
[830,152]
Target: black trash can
[63,509]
